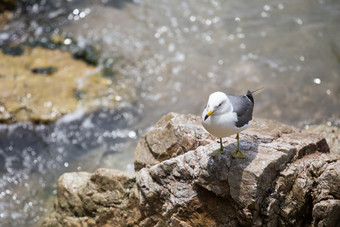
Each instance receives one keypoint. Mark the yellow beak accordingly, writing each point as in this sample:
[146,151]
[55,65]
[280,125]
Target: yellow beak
[208,114]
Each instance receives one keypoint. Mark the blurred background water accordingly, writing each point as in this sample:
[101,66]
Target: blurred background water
[172,55]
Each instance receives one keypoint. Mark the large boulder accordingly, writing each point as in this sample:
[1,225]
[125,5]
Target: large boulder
[195,188]
[288,178]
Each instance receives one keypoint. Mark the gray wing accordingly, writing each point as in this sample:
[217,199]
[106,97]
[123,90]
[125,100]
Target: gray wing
[243,106]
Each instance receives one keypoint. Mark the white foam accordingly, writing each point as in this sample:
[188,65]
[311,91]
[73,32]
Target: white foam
[67,118]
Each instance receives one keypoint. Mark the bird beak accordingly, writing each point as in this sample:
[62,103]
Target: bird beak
[208,114]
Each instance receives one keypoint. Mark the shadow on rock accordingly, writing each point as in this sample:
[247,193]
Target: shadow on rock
[231,177]
[219,165]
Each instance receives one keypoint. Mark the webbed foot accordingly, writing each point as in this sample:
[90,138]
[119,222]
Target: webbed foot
[216,152]
[237,154]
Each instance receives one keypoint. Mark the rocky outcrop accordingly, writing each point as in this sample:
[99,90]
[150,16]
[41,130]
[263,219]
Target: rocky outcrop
[288,178]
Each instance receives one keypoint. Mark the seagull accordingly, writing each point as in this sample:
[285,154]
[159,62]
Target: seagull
[225,115]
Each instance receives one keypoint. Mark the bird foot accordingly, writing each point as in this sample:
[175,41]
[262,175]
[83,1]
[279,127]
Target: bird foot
[216,152]
[237,154]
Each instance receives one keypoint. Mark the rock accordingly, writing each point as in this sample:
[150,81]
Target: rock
[13,50]
[189,184]
[70,84]
[306,193]
[172,135]
[70,186]
[326,213]
[106,197]
[331,134]
[287,179]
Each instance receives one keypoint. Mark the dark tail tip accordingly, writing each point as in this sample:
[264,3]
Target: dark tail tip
[250,96]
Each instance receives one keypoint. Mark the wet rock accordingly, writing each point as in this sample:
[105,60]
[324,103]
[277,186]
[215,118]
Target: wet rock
[81,51]
[12,50]
[286,179]
[331,134]
[45,70]
[54,41]
[27,94]
[89,54]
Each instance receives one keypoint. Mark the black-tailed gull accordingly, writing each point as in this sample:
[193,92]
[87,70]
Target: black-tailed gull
[226,115]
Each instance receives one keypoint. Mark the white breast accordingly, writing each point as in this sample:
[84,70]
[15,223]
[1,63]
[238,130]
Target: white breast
[222,125]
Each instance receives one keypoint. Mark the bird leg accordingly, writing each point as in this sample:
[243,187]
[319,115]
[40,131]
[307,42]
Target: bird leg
[238,153]
[221,144]
[218,150]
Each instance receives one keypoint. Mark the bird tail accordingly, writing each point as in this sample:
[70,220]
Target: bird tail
[250,94]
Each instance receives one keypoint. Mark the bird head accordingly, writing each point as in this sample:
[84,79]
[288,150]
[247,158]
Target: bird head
[218,103]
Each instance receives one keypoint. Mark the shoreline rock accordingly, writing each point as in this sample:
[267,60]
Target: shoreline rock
[40,85]
[288,178]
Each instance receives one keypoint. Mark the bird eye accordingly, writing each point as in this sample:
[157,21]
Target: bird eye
[220,104]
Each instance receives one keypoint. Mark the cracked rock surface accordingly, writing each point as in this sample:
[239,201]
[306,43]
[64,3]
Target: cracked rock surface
[288,178]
